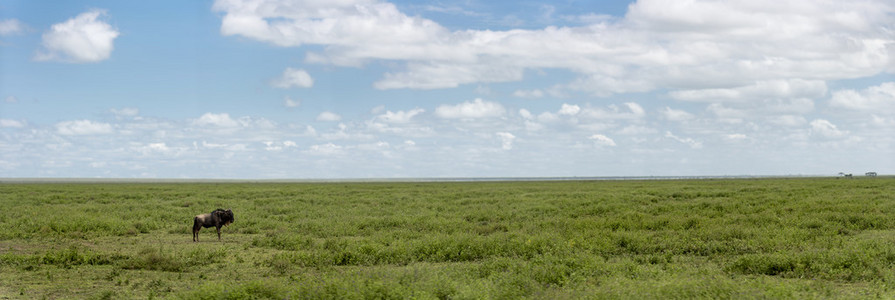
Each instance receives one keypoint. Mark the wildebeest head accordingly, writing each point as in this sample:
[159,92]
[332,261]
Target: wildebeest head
[225,216]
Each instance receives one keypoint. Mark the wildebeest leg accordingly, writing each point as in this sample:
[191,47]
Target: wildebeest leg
[196,227]
[219,233]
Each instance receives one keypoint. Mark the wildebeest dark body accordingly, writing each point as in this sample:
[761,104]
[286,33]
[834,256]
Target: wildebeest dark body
[217,218]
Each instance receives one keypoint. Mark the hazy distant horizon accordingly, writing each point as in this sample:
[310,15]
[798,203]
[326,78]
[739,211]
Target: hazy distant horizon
[374,180]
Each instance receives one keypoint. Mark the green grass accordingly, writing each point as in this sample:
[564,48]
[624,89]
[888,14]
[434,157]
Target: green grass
[743,238]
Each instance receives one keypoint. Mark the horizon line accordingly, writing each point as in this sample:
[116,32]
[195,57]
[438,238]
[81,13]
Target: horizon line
[393,179]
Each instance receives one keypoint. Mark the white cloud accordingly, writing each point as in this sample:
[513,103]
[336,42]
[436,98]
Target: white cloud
[82,39]
[439,76]
[328,117]
[636,130]
[377,146]
[225,121]
[676,114]
[882,122]
[325,149]
[270,146]
[735,136]
[291,103]
[880,98]
[293,78]
[631,111]
[344,132]
[7,123]
[476,109]
[160,147]
[506,140]
[399,116]
[604,85]
[11,27]
[220,120]
[83,127]
[687,141]
[788,120]
[792,88]
[602,140]
[536,93]
[11,99]
[569,110]
[378,109]
[309,130]
[278,146]
[125,113]
[703,49]
[728,114]
[825,129]
[208,145]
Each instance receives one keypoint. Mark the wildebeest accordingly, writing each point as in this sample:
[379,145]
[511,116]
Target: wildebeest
[216,218]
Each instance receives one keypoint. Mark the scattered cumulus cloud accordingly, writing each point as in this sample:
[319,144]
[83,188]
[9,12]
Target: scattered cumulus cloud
[158,147]
[476,109]
[83,127]
[226,122]
[637,130]
[293,78]
[882,121]
[676,115]
[127,112]
[7,123]
[602,140]
[727,114]
[826,129]
[788,120]
[11,27]
[279,146]
[879,98]
[687,141]
[82,39]
[791,88]
[328,117]
[536,93]
[325,149]
[506,140]
[208,145]
[219,120]
[399,116]
[569,109]
[628,110]
[291,103]
[735,136]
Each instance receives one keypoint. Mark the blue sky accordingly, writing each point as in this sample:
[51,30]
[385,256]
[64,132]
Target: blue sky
[383,89]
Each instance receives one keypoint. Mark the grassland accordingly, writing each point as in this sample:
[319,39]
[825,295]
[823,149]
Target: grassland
[744,238]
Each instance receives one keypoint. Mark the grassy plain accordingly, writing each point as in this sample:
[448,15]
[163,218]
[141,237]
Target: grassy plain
[739,238]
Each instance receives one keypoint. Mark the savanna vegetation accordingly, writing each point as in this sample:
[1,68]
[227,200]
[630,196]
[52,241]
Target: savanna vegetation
[739,238]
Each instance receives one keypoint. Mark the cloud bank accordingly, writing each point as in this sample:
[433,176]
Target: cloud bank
[735,50]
